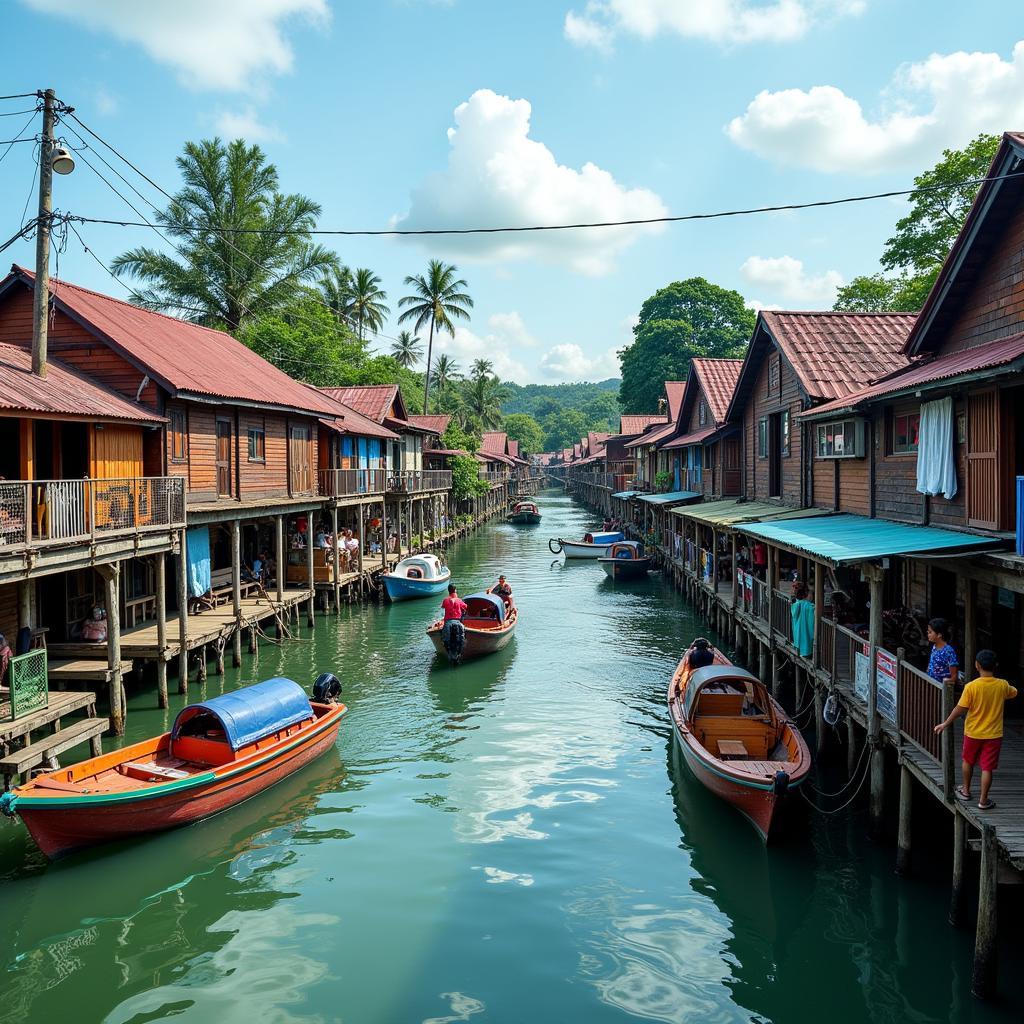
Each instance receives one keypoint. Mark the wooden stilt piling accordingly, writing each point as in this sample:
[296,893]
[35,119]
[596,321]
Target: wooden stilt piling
[903,834]
[983,974]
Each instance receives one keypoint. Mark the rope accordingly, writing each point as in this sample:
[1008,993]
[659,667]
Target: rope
[848,783]
[842,806]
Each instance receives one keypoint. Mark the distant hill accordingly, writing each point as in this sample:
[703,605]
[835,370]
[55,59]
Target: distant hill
[531,398]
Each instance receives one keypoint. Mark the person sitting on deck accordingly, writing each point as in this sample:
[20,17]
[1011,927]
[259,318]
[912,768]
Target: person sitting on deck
[701,654]
[503,590]
[352,547]
[95,626]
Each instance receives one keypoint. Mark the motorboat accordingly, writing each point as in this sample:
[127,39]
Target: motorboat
[417,576]
[524,513]
[626,560]
[488,626]
[593,545]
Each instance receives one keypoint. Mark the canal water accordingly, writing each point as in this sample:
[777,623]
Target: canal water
[513,840]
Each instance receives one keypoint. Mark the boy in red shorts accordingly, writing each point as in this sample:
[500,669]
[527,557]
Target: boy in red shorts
[982,702]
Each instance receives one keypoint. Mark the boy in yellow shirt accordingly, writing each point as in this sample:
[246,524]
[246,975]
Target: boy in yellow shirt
[982,702]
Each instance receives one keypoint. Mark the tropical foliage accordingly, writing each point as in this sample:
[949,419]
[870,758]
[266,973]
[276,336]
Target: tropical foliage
[522,427]
[407,349]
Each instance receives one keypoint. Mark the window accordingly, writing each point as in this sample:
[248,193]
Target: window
[774,375]
[843,439]
[905,427]
[762,438]
[702,413]
[258,442]
[709,456]
[179,436]
[784,432]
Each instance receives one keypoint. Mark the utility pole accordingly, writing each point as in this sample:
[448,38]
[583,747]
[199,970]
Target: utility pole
[41,306]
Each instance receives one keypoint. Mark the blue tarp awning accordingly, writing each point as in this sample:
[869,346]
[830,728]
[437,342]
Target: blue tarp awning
[252,712]
[841,539]
[491,599]
[197,543]
[625,494]
[672,498]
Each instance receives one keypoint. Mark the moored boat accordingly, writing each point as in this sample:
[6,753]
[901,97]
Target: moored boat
[737,739]
[218,753]
[417,576]
[593,545]
[626,560]
[524,513]
[488,626]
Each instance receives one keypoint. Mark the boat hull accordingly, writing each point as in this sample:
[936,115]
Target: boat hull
[401,588]
[61,826]
[478,641]
[625,568]
[524,518]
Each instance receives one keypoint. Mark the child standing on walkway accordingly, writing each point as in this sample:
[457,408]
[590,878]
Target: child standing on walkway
[982,702]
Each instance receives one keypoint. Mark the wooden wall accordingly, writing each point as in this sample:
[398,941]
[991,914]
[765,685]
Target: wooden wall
[116,452]
[9,612]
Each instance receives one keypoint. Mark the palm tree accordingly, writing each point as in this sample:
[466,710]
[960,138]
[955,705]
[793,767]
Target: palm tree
[482,368]
[336,291]
[407,349]
[228,272]
[445,371]
[436,299]
[484,401]
[367,308]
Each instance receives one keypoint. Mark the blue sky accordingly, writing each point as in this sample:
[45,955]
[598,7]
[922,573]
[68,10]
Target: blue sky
[480,112]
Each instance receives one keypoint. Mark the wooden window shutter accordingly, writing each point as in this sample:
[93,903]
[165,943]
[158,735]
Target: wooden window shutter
[983,483]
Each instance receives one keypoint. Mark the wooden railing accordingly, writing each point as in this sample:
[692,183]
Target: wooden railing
[493,476]
[782,618]
[919,699]
[339,483]
[759,606]
[415,481]
[826,644]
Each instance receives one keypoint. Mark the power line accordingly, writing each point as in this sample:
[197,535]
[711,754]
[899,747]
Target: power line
[22,96]
[18,137]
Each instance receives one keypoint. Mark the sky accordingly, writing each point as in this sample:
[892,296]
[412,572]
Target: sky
[480,113]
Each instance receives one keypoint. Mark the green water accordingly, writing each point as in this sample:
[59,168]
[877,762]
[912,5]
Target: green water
[509,841]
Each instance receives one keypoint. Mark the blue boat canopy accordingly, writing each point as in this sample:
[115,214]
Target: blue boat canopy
[627,549]
[487,599]
[842,539]
[249,714]
[603,538]
[672,498]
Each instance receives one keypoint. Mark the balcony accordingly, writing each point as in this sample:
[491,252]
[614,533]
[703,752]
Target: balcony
[495,477]
[66,524]
[419,481]
[343,483]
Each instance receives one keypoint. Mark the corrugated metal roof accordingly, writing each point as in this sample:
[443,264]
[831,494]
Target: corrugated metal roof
[374,401]
[348,421]
[991,356]
[436,423]
[845,538]
[695,438]
[65,391]
[630,424]
[513,448]
[717,379]
[596,439]
[183,356]
[835,354]
[731,512]
[494,442]
[671,498]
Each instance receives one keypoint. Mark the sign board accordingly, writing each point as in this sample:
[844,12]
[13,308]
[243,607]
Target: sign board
[861,673]
[885,680]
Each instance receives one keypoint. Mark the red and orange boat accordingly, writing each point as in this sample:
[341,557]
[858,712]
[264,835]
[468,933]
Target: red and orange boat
[219,752]
[736,738]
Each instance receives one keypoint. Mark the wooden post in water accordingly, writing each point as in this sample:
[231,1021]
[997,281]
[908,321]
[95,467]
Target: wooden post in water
[819,715]
[310,574]
[946,746]
[182,582]
[983,975]
[236,590]
[906,809]
[111,574]
[958,894]
[384,531]
[876,806]
[735,575]
[161,630]
[202,663]
[279,555]
[336,555]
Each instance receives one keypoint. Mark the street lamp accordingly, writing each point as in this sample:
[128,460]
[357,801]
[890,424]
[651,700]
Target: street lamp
[61,160]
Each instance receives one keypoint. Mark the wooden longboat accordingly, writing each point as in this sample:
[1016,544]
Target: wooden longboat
[737,739]
[218,753]
[593,545]
[625,560]
[488,626]
[524,513]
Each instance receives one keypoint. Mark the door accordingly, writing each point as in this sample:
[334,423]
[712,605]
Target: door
[775,455]
[983,483]
[225,436]
[731,476]
[300,470]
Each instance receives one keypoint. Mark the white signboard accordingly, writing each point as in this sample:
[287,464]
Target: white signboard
[861,673]
[885,680]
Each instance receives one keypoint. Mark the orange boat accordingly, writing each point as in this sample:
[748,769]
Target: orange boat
[489,624]
[736,738]
[219,753]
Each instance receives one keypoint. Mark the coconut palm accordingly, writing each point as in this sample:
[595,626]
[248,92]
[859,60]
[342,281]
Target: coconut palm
[407,349]
[366,308]
[445,371]
[436,300]
[484,399]
[228,272]
[482,368]
[336,291]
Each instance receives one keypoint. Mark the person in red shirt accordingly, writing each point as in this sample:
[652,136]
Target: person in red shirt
[454,610]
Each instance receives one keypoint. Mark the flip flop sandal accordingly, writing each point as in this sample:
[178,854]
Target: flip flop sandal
[987,807]
[961,794]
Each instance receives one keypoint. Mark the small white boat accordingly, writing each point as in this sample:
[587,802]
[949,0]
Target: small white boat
[593,545]
[417,576]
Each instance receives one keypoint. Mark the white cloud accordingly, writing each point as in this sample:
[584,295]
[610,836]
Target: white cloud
[787,279]
[105,102]
[718,21]
[498,176]
[213,44]
[505,334]
[938,103]
[512,330]
[568,362]
[246,124]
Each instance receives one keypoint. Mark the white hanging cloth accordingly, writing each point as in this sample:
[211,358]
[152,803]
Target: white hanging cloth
[936,461]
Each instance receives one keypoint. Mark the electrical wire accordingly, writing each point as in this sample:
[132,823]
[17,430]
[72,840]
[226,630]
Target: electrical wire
[18,138]
[22,96]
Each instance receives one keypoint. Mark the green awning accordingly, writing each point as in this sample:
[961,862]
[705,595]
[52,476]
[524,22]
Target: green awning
[842,539]
[730,512]
[672,498]
[626,494]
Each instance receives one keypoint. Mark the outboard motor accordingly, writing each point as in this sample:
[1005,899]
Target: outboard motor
[327,688]
[455,641]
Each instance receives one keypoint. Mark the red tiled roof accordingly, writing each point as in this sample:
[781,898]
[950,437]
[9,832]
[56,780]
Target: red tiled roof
[494,441]
[436,424]
[990,356]
[654,435]
[513,448]
[835,354]
[674,391]
[374,401]
[695,438]
[348,421]
[631,424]
[596,439]
[718,379]
[184,357]
[64,391]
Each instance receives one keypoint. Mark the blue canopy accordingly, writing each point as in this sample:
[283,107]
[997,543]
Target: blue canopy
[672,498]
[252,712]
[491,599]
[625,495]
[604,538]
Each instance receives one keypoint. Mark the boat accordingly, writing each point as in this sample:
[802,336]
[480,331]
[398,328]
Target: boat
[524,513]
[417,576]
[487,626]
[737,739]
[593,545]
[626,560]
[218,753]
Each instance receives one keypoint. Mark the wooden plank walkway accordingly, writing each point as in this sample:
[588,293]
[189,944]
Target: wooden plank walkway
[89,670]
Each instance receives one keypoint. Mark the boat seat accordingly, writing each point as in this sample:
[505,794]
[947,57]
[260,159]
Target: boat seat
[151,772]
[732,750]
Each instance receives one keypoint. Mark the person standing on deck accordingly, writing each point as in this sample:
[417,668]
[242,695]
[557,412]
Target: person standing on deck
[802,615]
[454,611]
[983,702]
[942,662]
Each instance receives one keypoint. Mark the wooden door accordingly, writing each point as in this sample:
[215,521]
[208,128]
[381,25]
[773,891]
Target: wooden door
[225,438]
[731,475]
[775,455]
[983,483]
[300,476]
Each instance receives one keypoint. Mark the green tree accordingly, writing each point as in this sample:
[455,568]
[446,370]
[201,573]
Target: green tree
[482,368]
[445,371]
[915,253]
[437,300]
[682,320]
[336,291]
[225,277]
[522,427]
[602,411]
[366,307]
[483,401]
[407,349]
[564,429]
[466,482]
